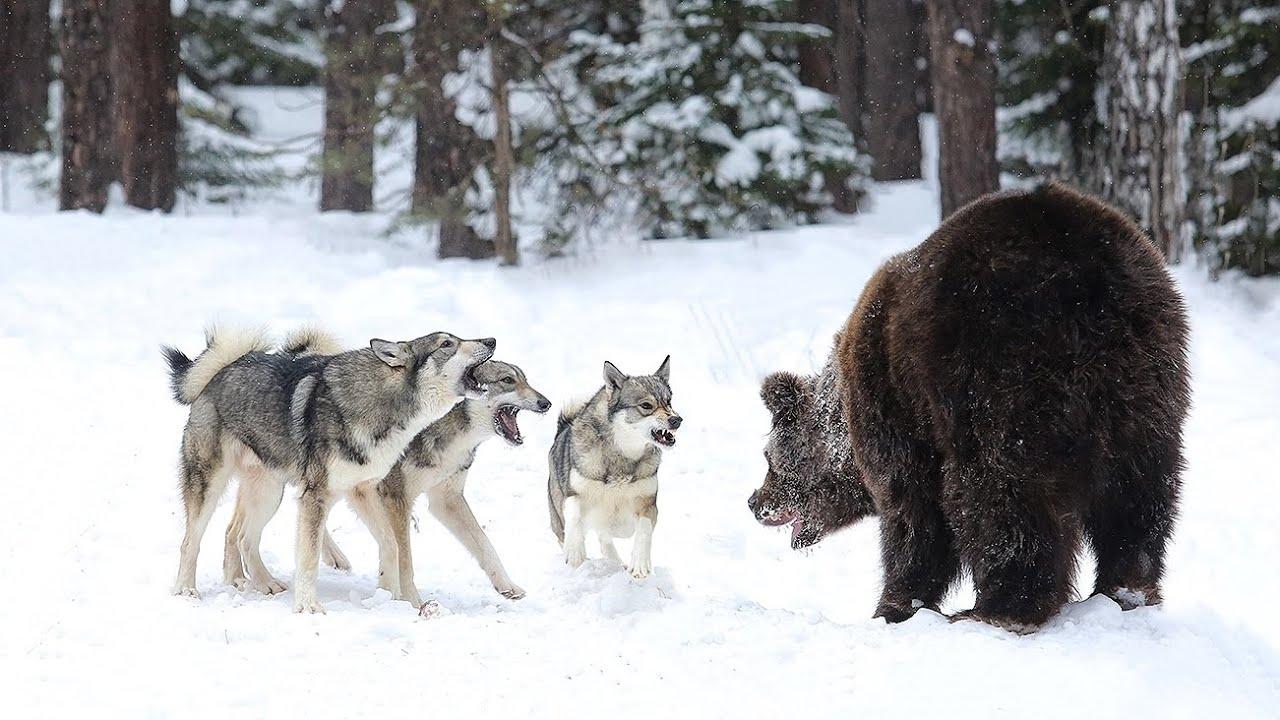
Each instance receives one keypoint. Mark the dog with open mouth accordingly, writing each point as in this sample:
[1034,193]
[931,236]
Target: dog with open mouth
[604,466]
[436,464]
[308,415]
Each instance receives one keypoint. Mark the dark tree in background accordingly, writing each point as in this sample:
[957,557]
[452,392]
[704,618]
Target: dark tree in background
[447,152]
[820,68]
[356,58]
[892,103]
[849,57]
[88,165]
[964,80]
[144,85]
[24,75]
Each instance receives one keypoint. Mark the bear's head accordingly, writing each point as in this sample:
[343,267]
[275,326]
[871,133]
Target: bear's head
[799,487]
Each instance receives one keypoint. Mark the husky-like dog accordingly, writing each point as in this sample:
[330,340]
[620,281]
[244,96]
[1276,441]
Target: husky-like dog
[326,423]
[436,463]
[604,466]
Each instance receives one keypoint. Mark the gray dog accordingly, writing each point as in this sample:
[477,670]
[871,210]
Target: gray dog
[325,423]
[604,466]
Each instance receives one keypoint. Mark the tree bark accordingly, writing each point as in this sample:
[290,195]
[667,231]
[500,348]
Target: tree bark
[849,62]
[446,152]
[1141,75]
[504,240]
[964,98]
[355,60]
[893,127]
[818,70]
[144,86]
[24,75]
[88,164]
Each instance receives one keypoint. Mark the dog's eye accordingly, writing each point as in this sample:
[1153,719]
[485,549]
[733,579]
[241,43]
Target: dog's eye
[446,344]
[509,380]
[646,406]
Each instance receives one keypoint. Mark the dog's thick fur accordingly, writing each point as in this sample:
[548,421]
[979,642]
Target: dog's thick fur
[326,423]
[604,466]
[436,463]
[1015,383]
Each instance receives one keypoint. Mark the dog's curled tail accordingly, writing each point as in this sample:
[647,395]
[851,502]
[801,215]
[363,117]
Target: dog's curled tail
[311,340]
[570,412]
[188,377]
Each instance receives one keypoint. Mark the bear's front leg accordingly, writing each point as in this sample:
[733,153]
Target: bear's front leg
[919,559]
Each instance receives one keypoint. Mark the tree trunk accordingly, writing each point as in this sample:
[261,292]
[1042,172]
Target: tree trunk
[1141,74]
[144,86]
[504,240]
[964,83]
[893,127]
[355,60]
[849,62]
[24,75]
[818,70]
[88,166]
[447,152]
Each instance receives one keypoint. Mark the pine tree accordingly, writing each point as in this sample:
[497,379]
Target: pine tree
[702,121]
[1233,52]
[252,42]
[88,164]
[144,87]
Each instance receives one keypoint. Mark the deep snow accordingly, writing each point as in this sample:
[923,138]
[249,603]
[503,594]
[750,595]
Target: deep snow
[733,623]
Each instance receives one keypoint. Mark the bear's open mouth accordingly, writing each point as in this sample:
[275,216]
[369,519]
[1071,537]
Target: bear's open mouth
[803,533]
[504,423]
[664,438]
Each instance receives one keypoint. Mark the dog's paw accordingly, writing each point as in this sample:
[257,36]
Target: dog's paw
[429,609]
[575,556]
[271,587]
[641,569]
[183,590]
[515,592]
[308,604]
[339,563]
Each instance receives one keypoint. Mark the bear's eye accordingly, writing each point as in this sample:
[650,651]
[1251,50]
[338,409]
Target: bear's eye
[646,406]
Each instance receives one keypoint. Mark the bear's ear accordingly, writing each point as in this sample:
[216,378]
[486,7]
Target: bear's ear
[786,395]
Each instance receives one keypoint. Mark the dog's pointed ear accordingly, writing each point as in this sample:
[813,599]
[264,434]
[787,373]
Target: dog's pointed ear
[613,377]
[664,371]
[394,354]
[786,395]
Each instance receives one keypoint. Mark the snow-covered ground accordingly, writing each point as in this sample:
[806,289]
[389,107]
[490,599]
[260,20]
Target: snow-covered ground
[733,623]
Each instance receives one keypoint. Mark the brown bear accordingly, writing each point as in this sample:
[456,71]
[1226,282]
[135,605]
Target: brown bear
[1013,384]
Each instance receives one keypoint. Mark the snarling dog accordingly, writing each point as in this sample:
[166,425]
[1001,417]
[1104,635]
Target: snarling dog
[437,463]
[325,423]
[604,466]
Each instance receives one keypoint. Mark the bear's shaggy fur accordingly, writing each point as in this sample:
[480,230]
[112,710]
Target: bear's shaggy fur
[1015,383]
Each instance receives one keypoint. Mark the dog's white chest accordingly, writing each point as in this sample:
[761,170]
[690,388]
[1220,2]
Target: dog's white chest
[379,455]
[612,508]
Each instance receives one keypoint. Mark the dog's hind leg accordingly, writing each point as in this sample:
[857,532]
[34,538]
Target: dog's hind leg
[364,500]
[608,549]
[256,504]
[397,510]
[313,511]
[448,505]
[233,572]
[204,476]
[333,555]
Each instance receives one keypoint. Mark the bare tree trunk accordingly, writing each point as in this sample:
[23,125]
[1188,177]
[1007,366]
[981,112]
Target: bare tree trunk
[924,58]
[447,152]
[1141,75]
[24,75]
[893,127]
[504,240]
[964,81]
[144,86]
[818,70]
[355,60]
[88,165]
[849,63]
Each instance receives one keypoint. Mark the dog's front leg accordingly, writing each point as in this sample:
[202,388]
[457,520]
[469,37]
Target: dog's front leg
[449,506]
[313,510]
[641,549]
[575,536]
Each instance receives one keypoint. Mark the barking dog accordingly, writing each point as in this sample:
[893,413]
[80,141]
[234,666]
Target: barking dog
[604,466]
[324,422]
[436,463]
